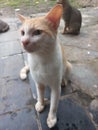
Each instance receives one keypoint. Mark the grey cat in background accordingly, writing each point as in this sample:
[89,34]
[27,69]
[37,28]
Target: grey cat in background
[72,18]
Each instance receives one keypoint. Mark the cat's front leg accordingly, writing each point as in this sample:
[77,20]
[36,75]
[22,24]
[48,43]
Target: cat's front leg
[64,31]
[40,101]
[65,28]
[55,95]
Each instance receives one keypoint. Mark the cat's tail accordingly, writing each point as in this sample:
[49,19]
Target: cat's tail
[67,72]
[69,67]
[23,72]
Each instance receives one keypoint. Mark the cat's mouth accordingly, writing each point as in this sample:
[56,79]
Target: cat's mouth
[26,45]
[29,47]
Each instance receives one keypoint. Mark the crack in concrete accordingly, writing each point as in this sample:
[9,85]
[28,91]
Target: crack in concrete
[17,110]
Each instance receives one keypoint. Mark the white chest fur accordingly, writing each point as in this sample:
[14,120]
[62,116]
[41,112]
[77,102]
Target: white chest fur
[46,69]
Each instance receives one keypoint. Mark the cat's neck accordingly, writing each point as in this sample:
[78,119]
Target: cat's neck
[66,4]
[46,55]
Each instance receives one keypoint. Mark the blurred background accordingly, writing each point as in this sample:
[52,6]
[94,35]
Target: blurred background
[27,7]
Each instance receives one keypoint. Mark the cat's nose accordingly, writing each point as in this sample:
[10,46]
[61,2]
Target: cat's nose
[25,42]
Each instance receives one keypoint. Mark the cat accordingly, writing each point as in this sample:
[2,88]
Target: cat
[46,59]
[72,18]
[4,27]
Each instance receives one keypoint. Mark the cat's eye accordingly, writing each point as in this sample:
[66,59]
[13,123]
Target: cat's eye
[37,32]
[22,32]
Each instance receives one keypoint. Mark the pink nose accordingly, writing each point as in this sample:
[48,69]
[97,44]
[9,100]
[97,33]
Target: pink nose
[25,42]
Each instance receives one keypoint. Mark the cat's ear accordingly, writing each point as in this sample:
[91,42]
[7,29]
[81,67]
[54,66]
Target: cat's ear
[21,17]
[54,15]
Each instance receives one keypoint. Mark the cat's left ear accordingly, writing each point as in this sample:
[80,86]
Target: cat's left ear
[21,17]
[54,15]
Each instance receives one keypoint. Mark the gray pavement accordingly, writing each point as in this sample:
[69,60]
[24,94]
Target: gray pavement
[78,107]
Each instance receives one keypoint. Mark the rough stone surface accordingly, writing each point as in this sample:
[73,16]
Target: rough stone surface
[19,120]
[70,115]
[14,94]
[11,65]
[93,108]
[82,52]
[14,48]
[94,105]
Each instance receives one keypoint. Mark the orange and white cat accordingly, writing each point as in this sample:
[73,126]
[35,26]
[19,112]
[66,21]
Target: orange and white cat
[46,60]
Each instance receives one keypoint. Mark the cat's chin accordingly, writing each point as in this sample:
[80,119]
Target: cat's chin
[28,50]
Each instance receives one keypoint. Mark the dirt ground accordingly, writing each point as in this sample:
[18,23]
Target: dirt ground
[25,10]
[44,7]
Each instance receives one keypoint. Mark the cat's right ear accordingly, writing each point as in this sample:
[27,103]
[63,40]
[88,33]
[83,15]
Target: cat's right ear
[54,15]
[21,17]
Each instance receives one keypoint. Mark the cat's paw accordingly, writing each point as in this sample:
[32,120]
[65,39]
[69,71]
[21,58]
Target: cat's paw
[64,32]
[51,121]
[23,72]
[23,76]
[39,107]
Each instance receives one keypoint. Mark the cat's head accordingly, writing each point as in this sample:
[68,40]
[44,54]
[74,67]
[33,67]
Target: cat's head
[39,34]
